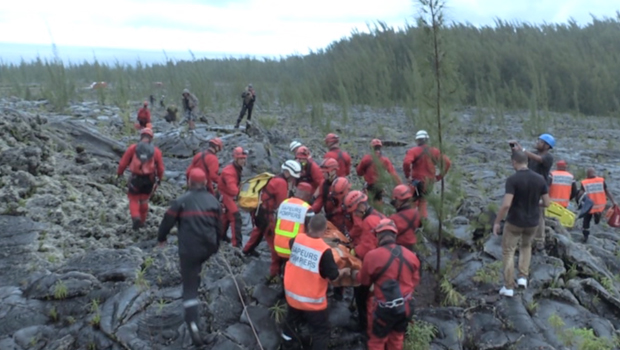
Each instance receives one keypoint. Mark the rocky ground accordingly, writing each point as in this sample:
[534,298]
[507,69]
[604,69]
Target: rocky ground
[73,275]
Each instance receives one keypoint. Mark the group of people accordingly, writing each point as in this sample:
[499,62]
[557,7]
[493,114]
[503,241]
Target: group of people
[295,206]
[531,189]
[189,101]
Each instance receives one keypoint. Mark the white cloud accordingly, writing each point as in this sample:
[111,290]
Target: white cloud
[254,27]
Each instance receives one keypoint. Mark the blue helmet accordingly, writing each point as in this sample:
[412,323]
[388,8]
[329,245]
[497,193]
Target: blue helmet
[548,139]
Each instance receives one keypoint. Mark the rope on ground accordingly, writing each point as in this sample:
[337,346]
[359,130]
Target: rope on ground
[245,308]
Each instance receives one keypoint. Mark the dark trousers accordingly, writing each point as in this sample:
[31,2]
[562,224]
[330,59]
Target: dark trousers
[190,274]
[586,222]
[318,322]
[235,223]
[248,108]
[361,298]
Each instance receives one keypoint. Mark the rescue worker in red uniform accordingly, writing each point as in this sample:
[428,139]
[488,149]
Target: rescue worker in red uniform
[406,218]
[274,193]
[197,214]
[209,163]
[144,116]
[395,273]
[329,167]
[306,277]
[596,189]
[420,168]
[228,186]
[367,168]
[563,187]
[334,205]
[146,165]
[364,240]
[332,141]
[310,170]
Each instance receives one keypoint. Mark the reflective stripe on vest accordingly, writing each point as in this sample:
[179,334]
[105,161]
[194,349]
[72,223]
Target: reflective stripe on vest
[290,222]
[561,185]
[595,189]
[304,287]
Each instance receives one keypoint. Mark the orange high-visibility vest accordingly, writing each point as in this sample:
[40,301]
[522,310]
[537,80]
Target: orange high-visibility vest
[291,217]
[561,185]
[304,287]
[595,189]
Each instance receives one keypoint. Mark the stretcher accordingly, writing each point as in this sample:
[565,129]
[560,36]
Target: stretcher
[565,216]
[339,244]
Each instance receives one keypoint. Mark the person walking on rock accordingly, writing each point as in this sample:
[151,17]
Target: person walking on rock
[332,141]
[310,170]
[146,165]
[526,191]
[406,218]
[540,161]
[228,186]
[395,273]
[329,167]
[249,97]
[171,114]
[563,187]
[197,214]
[144,116]
[306,277]
[367,168]
[291,219]
[190,107]
[272,195]
[596,189]
[209,163]
[420,168]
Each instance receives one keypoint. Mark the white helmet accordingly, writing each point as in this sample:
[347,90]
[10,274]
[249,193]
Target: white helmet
[294,145]
[293,167]
[422,134]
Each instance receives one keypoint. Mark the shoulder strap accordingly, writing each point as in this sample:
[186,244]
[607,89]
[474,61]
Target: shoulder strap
[395,252]
[203,154]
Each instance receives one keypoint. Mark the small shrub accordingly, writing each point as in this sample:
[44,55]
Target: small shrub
[419,336]
[60,290]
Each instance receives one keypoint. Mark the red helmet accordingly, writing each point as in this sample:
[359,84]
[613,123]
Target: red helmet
[302,153]
[329,164]
[402,192]
[352,200]
[217,143]
[146,131]
[386,225]
[375,143]
[340,187]
[561,164]
[240,153]
[331,139]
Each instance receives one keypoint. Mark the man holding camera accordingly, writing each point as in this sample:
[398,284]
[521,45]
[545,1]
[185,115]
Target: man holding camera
[540,161]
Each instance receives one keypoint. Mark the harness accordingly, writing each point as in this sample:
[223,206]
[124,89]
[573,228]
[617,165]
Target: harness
[395,252]
[410,223]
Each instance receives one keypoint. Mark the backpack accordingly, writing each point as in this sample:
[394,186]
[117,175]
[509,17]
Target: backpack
[143,161]
[249,195]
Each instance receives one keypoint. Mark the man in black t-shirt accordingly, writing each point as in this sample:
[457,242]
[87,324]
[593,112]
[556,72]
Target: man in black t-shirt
[524,191]
[539,161]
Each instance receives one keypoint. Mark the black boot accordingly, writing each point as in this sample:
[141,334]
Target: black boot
[137,224]
[237,124]
[194,332]
[586,234]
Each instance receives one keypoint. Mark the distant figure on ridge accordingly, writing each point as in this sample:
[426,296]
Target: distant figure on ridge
[190,107]
[249,97]
[144,117]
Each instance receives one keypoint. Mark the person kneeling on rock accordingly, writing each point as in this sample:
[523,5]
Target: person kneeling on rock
[197,214]
[306,276]
[147,168]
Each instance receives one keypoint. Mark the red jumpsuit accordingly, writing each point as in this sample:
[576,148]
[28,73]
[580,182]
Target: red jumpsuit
[140,188]
[408,280]
[208,162]
[367,169]
[144,117]
[407,220]
[323,197]
[343,158]
[419,165]
[228,185]
[271,197]
[364,238]
[312,174]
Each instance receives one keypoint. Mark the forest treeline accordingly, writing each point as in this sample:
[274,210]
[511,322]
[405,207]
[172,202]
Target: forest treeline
[559,67]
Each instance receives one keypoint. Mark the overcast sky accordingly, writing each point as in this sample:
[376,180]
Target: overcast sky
[253,27]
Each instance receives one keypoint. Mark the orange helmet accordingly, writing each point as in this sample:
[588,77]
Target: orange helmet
[302,153]
[329,164]
[217,143]
[375,143]
[352,200]
[146,131]
[339,187]
[239,153]
[402,192]
[331,139]
[386,225]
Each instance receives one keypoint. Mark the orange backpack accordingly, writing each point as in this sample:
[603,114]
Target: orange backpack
[143,161]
